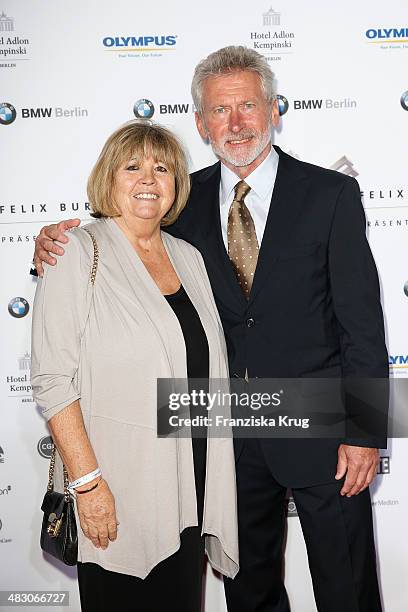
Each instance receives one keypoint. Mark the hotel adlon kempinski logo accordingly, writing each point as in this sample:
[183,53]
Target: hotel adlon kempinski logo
[272,39]
[13,47]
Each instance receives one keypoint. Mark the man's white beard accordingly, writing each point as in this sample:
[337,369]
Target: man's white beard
[245,158]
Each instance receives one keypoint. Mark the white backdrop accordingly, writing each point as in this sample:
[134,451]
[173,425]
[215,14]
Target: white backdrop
[70,73]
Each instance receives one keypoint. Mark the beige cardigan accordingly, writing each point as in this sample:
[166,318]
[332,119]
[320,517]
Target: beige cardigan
[105,346]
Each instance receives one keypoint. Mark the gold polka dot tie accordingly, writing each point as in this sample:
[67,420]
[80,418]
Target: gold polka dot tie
[243,246]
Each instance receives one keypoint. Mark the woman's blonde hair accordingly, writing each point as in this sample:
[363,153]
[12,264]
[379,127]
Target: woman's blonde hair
[137,140]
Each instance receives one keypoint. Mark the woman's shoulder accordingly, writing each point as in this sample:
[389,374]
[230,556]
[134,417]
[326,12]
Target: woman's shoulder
[96,228]
[83,238]
[79,250]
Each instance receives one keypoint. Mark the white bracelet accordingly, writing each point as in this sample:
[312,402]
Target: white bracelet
[84,479]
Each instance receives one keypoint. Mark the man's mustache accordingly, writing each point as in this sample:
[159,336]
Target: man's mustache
[243,135]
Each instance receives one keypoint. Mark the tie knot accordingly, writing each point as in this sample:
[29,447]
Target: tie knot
[241,190]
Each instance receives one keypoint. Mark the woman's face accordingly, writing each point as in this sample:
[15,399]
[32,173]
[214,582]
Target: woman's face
[144,189]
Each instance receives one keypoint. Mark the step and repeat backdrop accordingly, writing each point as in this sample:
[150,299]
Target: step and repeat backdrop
[70,73]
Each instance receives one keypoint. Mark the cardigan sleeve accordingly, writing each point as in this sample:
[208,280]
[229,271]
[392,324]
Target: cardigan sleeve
[60,312]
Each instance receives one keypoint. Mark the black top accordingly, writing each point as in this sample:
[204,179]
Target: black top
[197,367]
[193,332]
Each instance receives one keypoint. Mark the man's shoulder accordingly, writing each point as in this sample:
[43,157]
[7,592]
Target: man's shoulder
[307,169]
[318,174]
[205,173]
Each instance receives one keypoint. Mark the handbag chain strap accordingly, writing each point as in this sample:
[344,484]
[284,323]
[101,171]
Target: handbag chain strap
[95,257]
[50,486]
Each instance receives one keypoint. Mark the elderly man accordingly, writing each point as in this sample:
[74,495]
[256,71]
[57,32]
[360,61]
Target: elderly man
[299,297]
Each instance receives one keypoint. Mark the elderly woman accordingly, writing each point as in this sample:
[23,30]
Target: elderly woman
[98,350]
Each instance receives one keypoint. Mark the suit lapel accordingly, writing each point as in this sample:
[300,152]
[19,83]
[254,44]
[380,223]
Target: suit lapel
[211,240]
[287,201]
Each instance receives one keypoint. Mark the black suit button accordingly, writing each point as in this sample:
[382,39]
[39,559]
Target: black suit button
[250,322]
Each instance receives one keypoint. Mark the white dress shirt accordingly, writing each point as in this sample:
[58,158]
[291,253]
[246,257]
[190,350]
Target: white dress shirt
[262,182]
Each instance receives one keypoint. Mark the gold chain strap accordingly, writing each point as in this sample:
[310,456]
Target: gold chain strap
[50,486]
[96,255]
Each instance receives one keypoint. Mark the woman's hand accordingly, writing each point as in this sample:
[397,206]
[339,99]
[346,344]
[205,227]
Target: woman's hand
[97,515]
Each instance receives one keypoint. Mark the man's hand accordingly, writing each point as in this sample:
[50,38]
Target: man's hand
[361,466]
[44,243]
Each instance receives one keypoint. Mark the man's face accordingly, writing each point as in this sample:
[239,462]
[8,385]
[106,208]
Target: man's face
[237,119]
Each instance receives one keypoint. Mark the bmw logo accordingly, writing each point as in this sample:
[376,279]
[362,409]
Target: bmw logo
[18,307]
[283,104]
[404,100]
[7,113]
[143,109]
[45,446]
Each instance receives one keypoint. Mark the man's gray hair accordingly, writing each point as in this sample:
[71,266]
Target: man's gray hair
[231,59]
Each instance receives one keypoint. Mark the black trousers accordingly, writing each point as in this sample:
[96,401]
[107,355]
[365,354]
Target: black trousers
[339,539]
[174,584]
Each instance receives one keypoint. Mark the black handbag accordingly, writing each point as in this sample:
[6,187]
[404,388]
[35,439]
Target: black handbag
[59,535]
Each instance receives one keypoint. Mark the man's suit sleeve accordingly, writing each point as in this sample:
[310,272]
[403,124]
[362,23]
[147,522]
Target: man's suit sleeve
[356,298]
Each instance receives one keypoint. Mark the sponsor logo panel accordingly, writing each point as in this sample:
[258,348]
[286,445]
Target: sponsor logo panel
[8,113]
[17,239]
[145,109]
[29,212]
[18,383]
[140,46]
[398,365]
[270,36]
[387,38]
[18,307]
[384,465]
[283,104]
[385,503]
[316,104]
[14,48]
[44,446]
[3,538]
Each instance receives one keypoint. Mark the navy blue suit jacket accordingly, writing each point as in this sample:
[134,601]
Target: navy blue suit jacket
[314,308]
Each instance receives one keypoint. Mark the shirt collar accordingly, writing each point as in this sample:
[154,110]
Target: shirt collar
[261,180]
